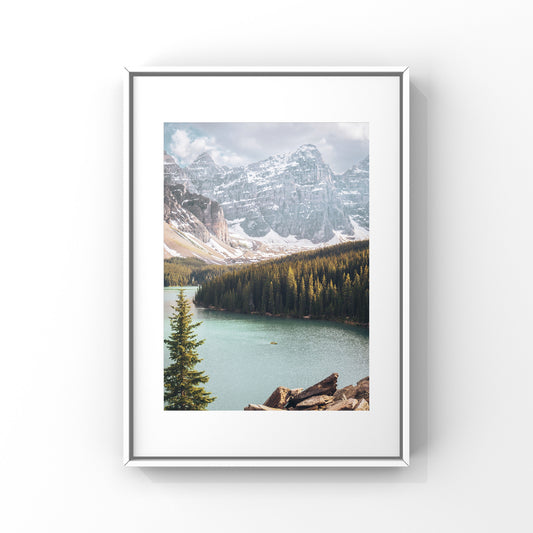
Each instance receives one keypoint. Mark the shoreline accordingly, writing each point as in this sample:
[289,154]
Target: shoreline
[345,322]
[270,315]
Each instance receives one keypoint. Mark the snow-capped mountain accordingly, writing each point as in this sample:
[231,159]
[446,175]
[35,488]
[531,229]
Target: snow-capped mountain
[353,188]
[287,200]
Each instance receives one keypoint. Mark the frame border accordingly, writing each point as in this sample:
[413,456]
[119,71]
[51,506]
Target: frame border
[129,458]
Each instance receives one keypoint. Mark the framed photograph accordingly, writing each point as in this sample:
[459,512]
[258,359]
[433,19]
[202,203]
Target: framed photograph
[266,292]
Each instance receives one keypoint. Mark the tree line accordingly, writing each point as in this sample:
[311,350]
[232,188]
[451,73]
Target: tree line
[181,271]
[330,282]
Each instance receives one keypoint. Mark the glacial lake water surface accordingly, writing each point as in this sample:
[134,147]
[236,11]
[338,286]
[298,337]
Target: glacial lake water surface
[244,367]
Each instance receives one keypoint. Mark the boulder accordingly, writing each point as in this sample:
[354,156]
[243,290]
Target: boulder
[314,402]
[327,386]
[279,398]
[343,405]
[362,405]
[257,407]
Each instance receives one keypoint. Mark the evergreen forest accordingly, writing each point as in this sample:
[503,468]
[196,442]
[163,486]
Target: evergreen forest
[183,271]
[330,283]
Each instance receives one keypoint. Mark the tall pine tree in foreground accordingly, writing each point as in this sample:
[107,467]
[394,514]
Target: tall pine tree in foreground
[183,384]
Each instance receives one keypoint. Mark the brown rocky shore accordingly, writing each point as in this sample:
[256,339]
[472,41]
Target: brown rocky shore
[322,396]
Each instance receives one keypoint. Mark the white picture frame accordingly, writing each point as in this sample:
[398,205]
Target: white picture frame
[136,89]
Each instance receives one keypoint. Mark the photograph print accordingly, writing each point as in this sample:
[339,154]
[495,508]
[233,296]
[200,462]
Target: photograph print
[266,266]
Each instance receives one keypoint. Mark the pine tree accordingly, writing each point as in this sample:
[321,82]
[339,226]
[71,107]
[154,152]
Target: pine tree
[292,290]
[347,294]
[183,384]
[311,294]
[271,301]
[302,297]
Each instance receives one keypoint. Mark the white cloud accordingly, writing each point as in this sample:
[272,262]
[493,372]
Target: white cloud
[229,159]
[187,149]
[326,149]
[358,131]
[237,143]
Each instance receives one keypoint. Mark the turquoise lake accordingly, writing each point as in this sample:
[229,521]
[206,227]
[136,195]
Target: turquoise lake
[244,367]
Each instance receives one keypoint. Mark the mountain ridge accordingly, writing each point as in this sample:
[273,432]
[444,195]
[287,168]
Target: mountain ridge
[286,199]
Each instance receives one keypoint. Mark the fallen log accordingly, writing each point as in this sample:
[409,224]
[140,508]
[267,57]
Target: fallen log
[346,393]
[322,396]
[358,391]
[258,407]
[362,405]
[343,405]
[314,402]
[280,397]
[327,387]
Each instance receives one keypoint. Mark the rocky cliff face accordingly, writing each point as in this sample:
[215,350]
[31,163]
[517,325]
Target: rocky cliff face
[189,211]
[209,213]
[353,188]
[290,194]
[286,201]
[174,174]
[180,218]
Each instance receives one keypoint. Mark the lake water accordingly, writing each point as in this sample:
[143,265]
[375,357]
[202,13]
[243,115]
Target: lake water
[244,367]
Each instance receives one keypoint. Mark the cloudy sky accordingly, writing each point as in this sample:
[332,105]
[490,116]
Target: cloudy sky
[239,143]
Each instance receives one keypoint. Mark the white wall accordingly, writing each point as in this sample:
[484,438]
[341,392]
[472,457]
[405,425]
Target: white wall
[60,214]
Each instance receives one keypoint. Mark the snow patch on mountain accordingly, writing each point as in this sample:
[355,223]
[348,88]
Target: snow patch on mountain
[170,251]
[359,233]
[287,202]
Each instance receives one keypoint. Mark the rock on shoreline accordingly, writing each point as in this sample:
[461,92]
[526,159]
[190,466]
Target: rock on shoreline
[322,396]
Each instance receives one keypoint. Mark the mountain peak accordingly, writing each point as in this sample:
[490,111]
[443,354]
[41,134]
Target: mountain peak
[307,148]
[204,165]
[364,163]
[308,151]
[204,158]
[168,158]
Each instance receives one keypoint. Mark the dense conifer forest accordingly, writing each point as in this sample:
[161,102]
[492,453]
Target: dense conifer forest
[330,282]
[180,271]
